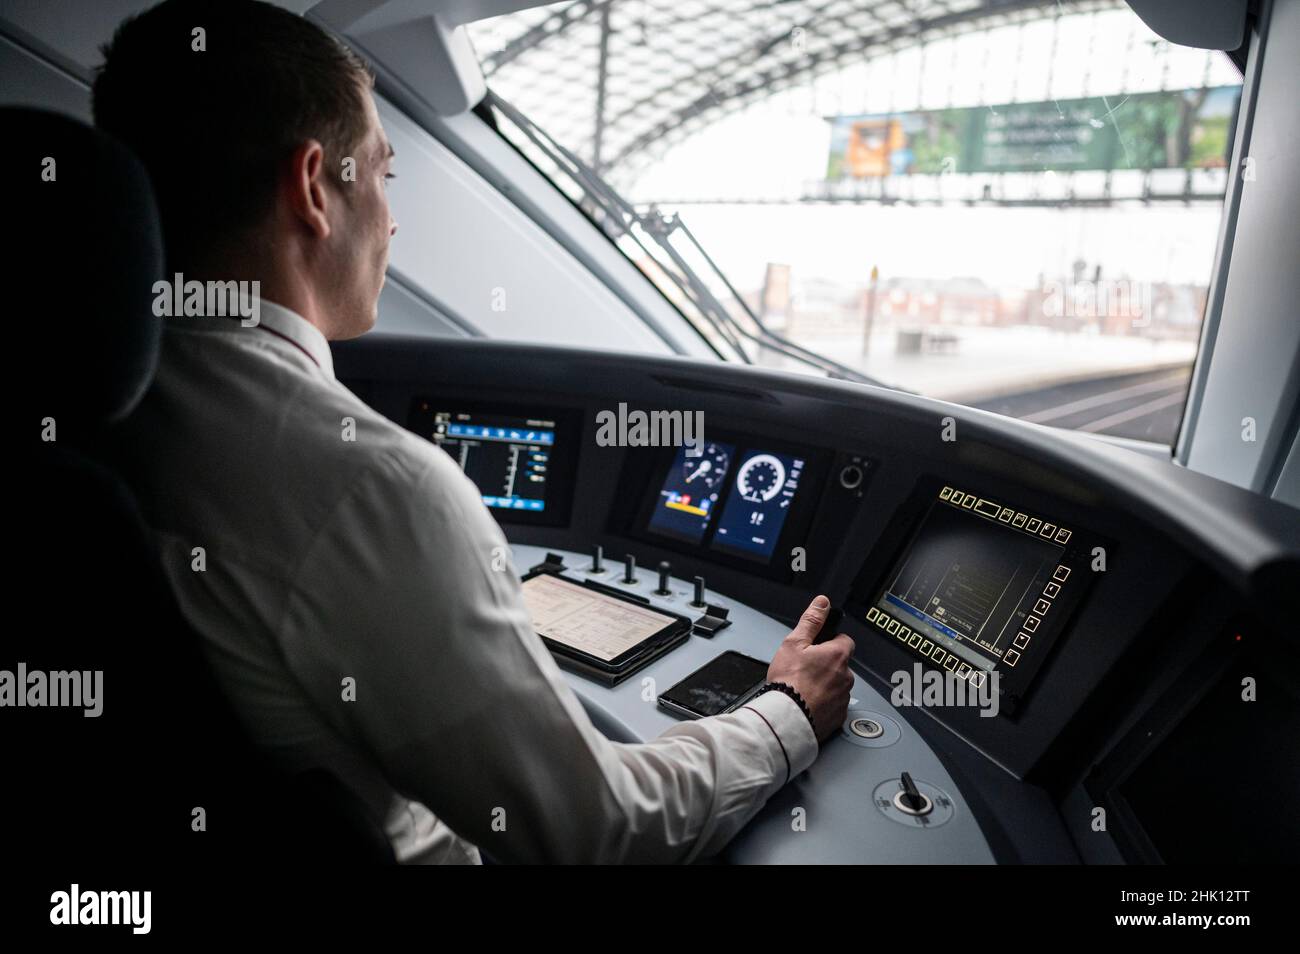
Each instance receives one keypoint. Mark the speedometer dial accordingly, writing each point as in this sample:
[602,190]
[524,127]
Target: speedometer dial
[760,478]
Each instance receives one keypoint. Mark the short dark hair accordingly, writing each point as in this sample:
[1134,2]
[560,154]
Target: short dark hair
[213,126]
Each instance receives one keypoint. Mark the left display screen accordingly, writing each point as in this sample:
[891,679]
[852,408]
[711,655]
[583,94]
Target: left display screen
[516,460]
[690,492]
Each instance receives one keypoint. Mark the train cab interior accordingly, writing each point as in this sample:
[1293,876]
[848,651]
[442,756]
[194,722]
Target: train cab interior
[976,316]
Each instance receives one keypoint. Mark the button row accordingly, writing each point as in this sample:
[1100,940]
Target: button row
[995,511]
[924,647]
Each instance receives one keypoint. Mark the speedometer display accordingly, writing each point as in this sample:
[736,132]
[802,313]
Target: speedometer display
[765,488]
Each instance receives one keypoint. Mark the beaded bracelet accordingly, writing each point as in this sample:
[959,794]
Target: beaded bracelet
[793,694]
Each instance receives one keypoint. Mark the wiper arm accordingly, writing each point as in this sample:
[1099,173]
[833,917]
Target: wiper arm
[618,216]
[621,214]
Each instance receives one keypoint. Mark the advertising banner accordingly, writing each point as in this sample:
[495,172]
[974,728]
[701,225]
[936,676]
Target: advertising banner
[1176,129]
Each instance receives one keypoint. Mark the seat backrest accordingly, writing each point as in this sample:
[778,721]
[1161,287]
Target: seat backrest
[165,749]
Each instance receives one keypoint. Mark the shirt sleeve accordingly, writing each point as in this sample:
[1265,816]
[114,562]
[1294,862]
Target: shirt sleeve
[409,592]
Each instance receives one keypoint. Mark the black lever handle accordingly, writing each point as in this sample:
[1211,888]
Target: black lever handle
[830,629]
[665,569]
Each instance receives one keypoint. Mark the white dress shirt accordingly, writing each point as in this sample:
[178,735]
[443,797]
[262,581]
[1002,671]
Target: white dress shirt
[328,563]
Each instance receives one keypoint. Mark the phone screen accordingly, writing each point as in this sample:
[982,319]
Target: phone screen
[716,686]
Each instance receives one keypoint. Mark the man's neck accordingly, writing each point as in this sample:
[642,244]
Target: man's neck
[276,283]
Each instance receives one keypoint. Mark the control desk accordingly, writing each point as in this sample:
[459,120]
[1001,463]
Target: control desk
[846,808]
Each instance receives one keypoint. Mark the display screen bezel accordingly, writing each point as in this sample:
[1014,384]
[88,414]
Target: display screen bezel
[654,464]
[880,568]
[564,453]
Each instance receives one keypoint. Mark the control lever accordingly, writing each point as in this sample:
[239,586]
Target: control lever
[698,602]
[910,799]
[629,569]
[597,559]
[830,629]
[665,568]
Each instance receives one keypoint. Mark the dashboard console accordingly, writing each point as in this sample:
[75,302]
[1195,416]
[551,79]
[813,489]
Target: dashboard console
[1087,590]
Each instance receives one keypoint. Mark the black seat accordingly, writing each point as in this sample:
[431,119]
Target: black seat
[89,594]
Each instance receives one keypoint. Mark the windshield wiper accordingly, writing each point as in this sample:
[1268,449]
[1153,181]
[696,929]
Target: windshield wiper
[619,218]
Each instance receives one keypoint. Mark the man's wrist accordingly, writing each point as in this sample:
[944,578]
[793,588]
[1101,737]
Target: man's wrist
[786,689]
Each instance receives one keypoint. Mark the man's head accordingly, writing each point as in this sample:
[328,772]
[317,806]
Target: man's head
[261,136]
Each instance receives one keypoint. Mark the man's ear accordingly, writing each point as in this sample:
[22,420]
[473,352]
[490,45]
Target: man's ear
[307,192]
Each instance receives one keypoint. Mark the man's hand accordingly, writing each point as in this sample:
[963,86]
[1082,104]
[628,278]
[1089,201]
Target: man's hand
[818,673]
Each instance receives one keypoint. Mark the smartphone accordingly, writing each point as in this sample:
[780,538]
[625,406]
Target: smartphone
[722,685]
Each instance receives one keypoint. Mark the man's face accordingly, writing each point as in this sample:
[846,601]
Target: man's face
[361,233]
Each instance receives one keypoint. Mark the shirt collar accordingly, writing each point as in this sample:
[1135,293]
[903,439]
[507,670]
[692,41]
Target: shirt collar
[298,331]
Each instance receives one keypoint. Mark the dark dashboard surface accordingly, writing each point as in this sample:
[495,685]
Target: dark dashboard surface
[1106,591]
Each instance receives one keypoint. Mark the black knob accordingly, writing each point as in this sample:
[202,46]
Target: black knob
[664,569]
[911,798]
[629,569]
[699,593]
[597,559]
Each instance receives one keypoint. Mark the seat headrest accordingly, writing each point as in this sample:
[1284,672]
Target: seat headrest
[86,252]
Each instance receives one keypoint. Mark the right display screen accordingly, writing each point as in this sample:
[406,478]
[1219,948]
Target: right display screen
[981,587]
[761,494]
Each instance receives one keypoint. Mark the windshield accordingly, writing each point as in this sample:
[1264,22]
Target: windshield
[1011,205]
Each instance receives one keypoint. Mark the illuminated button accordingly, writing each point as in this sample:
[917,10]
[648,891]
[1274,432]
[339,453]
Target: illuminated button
[963,670]
[1011,658]
[1033,524]
[1020,520]
[950,662]
[1021,641]
[882,621]
[872,614]
[945,493]
[977,678]
[1063,536]
[1051,590]
[987,508]
[938,654]
[1048,530]
[893,626]
[1062,573]
[1041,607]
[969,501]
[914,640]
[1006,515]
[1031,623]
[927,647]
